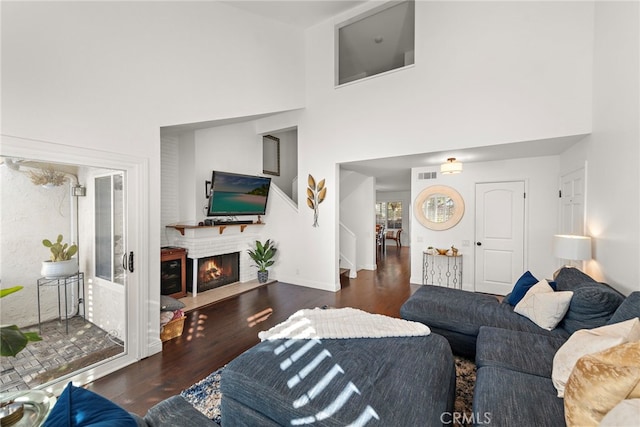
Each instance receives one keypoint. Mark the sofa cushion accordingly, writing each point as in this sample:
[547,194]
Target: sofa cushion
[629,309]
[79,407]
[586,341]
[510,398]
[592,305]
[517,351]
[568,278]
[600,381]
[367,376]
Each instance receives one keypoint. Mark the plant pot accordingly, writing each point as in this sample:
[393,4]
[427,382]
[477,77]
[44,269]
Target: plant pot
[53,270]
[263,276]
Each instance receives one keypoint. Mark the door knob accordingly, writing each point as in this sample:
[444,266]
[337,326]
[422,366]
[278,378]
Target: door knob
[478,243]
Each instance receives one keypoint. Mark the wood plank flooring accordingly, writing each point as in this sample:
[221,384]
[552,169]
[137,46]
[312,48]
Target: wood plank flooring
[216,334]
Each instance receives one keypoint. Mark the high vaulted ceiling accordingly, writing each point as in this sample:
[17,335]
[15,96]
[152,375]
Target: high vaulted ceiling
[299,13]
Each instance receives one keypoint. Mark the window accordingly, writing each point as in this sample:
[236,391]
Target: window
[389,214]
[378,41]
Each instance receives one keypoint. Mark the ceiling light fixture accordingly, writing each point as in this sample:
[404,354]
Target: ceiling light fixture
[451,166]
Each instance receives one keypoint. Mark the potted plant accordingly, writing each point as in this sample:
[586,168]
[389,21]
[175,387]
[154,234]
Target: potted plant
[262,255]
[61,263]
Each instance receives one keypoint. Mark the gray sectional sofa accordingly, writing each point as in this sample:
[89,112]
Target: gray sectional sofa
[513,355]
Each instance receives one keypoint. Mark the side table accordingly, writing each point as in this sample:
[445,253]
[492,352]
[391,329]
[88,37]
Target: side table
[62,284]
[442,270]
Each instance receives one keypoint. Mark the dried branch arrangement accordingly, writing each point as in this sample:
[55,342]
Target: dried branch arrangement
[48,177]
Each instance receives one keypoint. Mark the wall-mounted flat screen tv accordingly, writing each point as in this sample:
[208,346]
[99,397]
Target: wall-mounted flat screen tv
[234,194]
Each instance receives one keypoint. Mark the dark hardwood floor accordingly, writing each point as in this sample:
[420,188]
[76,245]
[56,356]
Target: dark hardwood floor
[216,334]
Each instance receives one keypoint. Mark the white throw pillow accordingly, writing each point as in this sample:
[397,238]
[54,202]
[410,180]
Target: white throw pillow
[543,306]
[589,341]
[624,413]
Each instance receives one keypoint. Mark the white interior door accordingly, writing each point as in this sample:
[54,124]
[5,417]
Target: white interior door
[499,236]
[572,208]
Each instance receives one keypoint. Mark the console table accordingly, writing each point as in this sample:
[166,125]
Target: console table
[62,283]
[442,270]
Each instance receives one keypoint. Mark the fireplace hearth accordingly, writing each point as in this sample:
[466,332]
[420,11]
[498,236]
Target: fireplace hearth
[215,271]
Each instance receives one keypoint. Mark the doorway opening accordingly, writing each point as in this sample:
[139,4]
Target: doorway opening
[84,328]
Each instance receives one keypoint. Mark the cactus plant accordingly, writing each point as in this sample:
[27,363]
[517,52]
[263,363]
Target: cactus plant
[60,251]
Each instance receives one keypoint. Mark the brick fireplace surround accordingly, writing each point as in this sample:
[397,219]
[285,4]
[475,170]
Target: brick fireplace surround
[202,242]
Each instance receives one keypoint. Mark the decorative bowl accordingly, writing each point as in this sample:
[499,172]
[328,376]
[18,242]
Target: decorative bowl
[442,251]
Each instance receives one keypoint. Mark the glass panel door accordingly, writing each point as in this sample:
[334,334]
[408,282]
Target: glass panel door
[109,225]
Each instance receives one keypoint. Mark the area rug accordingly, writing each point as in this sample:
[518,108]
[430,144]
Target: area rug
[205,395]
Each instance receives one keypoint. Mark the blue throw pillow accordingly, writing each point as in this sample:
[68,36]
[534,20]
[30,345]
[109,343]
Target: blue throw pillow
[79,408]
[521,287]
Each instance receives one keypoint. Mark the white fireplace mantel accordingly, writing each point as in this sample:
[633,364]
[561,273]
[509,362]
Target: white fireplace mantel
[206,241]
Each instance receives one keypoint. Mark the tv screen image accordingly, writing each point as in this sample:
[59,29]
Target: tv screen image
[235,194]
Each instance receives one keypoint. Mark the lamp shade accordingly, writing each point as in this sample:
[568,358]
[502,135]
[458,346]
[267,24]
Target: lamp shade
[572,247]
[451,166]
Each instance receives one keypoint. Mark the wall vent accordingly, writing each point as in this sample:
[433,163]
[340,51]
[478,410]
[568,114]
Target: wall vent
[427,175]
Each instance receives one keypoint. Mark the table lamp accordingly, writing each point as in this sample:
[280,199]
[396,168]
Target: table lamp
[572,247]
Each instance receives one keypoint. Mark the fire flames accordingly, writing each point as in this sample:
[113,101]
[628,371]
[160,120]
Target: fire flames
[210,271]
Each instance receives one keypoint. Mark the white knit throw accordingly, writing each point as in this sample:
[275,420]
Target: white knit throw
[342,323]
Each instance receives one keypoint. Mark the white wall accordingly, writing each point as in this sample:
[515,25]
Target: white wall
[357,213]
[29,214]
[190,190]
[108,75]
[232,148]
[613,195]
[540,175]
[485,73]
[288,160]
[170,184]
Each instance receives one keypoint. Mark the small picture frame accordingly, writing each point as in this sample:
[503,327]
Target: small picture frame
[271,155]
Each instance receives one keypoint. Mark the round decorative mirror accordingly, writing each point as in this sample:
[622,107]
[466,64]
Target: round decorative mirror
[439,207]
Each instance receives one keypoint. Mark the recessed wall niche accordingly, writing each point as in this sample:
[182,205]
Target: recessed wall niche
[375,42]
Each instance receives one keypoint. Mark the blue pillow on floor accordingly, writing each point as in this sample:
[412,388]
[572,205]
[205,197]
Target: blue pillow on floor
[524,283]
[79,408]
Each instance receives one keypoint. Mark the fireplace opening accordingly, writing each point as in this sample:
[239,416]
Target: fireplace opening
[217,270]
